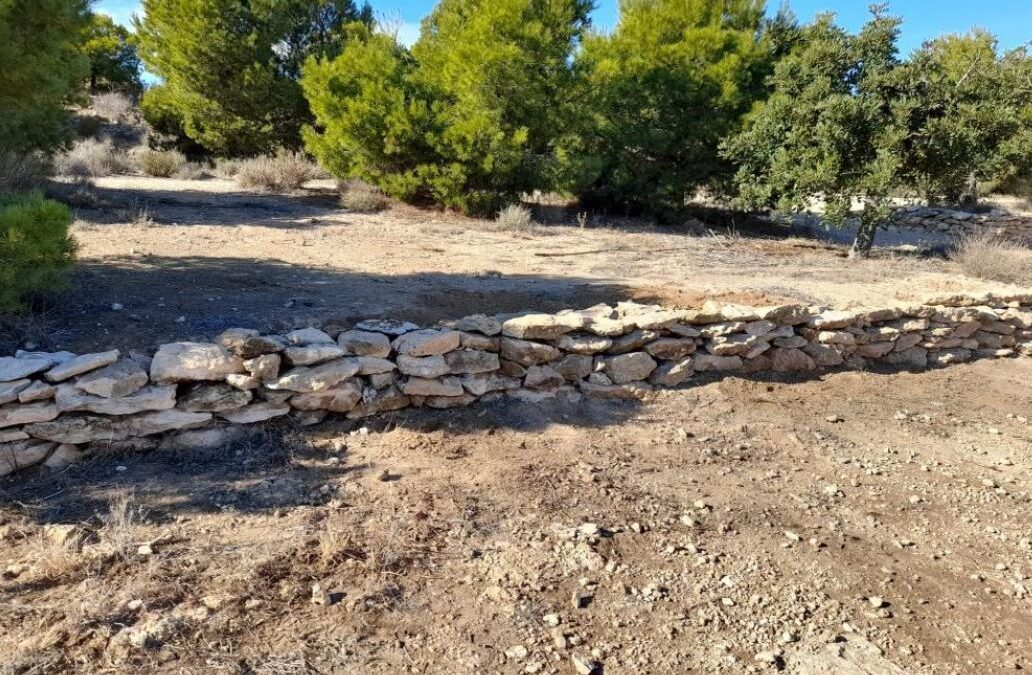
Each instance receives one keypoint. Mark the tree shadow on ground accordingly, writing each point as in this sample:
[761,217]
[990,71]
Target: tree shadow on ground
[166,299]
[105,205]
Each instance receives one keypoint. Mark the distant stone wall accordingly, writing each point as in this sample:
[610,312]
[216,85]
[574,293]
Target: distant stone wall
[55,406]
[962,223]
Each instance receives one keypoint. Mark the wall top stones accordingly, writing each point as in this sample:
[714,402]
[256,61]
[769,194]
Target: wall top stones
[54,407]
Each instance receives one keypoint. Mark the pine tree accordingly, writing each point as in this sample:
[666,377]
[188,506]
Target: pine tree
[114,61]
[41,70]
[231,67]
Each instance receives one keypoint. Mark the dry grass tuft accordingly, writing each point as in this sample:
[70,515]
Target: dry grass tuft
[283,172]
[138,215]
[21,173]
[516,218]
[114,107]
[362,198]
[160,163]
[988,256]
[122,526]
[92,158]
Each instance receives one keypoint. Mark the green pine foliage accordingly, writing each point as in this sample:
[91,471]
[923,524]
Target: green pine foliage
[35,248]
[41,69]
[114,61]
[231,67]
[470,118]
[672,80]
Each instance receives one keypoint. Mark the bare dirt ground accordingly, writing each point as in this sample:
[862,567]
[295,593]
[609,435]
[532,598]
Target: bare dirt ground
[210,256]
[856,523]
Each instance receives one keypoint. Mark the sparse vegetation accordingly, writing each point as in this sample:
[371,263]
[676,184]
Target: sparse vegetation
[989,256]
[283,172]
[35,248]
[114,107]
[20,172]
[515,218]
[361,197]
[160,163]
[93,158]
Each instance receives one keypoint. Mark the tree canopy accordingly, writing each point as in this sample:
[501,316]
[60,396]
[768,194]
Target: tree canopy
[231,67]
[114,61]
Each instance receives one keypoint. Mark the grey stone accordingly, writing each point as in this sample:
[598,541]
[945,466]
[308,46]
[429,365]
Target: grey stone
[374,365]
[574,367]
[22,454]
[445,402]
[445,386]
[10,391]
[543,377]
[542,326]
[381,380]
[193,361]
[342,398]
[823,355]
[62,456]
[265,367]
[527,353]
[633,341]
[635,391]
[256,412]
[479,342]
[584,344]
[203,439]
[79,365]
[214,398]
[115,381]
[627,368]
[709,362]
[70,399]
[671,349]
[310,379]
[9,435]
[363,343]
[915,357]
[731,345]
[234,338]
[479,384]
[673,373]
[244,382]
[427,366]
[79,429]
[387,326]
[427,342]
[832,320]
[259,345]
[13,369]
[479,323]
[312,354]
[376,401]
[17,414]
[308,336]
[793,342]
[468,361]
[791,361]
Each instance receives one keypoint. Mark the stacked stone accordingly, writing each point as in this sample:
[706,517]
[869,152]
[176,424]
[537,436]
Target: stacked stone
[960,223]
[53,404]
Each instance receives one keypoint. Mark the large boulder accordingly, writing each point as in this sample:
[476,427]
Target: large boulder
[193,362]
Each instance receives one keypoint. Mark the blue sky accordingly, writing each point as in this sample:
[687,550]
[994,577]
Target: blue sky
[1009,20]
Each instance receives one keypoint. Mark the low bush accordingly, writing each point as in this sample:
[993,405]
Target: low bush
[192,171]
[987,256]
[160,163]
[22,172]
[361,197]
[515,218]
[92,158]
[114,107]
[227,168]
[283,172]
[35,248]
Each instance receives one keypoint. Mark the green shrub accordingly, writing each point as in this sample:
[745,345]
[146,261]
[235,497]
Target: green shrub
[34,247]
[160,163]
[468,119]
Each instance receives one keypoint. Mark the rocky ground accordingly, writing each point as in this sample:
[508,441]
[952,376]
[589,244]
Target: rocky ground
[853,523]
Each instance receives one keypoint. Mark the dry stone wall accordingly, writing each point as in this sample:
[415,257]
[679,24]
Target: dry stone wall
[963,223]
[55,406]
